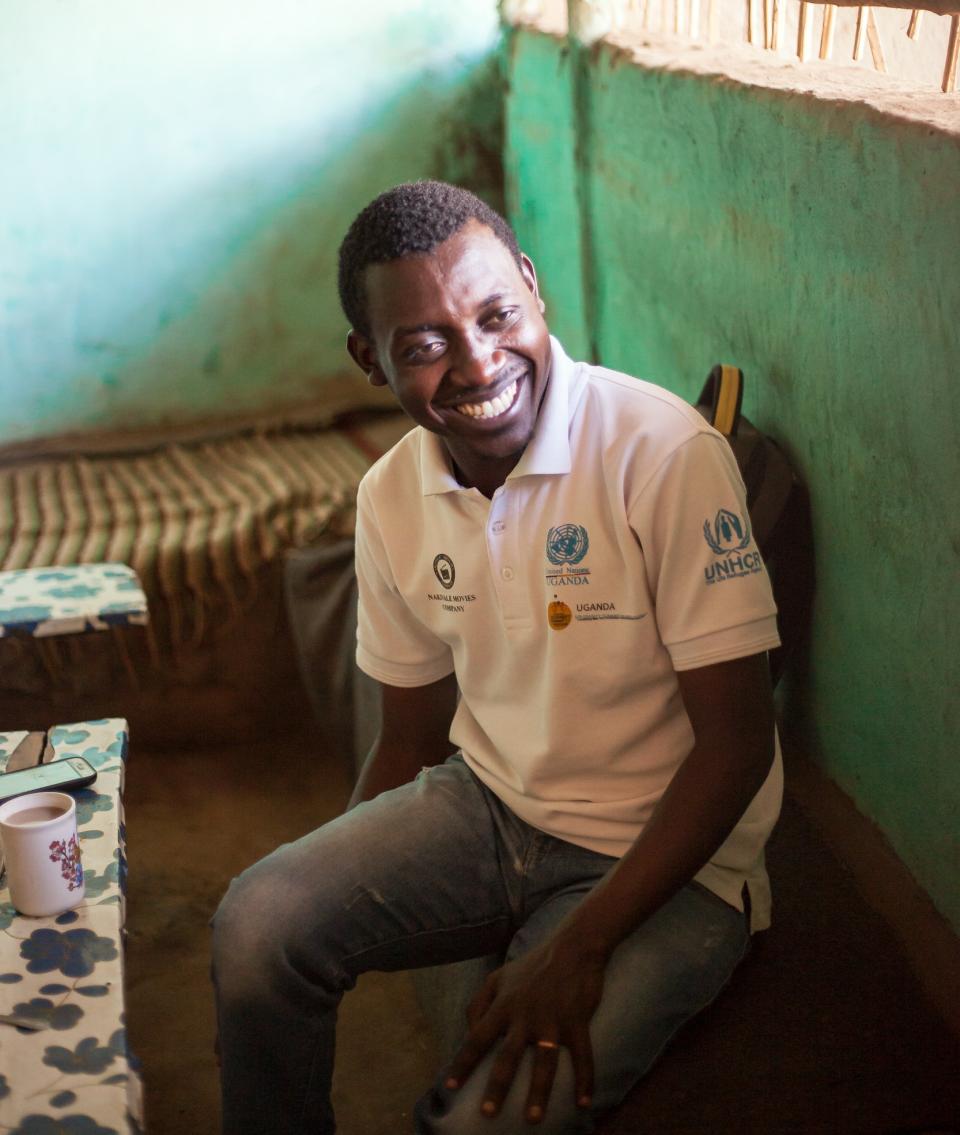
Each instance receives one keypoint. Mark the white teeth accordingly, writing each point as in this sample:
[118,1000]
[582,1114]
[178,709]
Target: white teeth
[492,409]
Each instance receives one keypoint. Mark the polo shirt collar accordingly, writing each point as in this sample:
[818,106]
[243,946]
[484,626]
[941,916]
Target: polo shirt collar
[548,451]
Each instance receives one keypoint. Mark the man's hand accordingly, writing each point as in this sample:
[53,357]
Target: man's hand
[541,1001]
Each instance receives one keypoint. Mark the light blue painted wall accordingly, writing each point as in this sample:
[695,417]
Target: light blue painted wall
[176,178]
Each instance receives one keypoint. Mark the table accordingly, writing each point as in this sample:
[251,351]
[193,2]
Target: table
[77,1074]
[46,601]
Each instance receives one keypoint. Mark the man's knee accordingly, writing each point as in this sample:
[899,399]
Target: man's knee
[257,927]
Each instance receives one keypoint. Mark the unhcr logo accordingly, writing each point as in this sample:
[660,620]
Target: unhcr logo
[733,567]
[728,536]
[728,533]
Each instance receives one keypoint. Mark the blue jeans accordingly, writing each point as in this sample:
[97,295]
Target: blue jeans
[436,871]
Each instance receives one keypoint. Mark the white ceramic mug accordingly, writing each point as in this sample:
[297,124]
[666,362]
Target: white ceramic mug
[42,853]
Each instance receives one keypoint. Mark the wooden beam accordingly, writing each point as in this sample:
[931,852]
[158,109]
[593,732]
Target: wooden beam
[803,30]
[826,33]
[860,36]
[694,19]
[953,51]
[873,38]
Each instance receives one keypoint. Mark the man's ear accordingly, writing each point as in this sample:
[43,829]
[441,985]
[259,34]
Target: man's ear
[529,274]
[364,354]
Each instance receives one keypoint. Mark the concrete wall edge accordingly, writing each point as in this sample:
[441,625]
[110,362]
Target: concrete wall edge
[883,96]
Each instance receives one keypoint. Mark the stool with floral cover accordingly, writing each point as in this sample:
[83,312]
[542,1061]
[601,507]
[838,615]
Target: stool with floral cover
[67,1067]
[75,599]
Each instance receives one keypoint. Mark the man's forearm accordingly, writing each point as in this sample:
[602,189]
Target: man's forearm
[695,815]
[731,709]
[415,732]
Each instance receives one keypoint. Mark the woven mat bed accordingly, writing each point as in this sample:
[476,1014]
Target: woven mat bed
[198,522]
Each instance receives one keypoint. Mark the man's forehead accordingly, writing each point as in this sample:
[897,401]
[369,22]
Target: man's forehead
[471,267]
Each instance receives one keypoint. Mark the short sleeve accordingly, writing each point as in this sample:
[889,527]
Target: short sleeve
[711,591]
[393,645]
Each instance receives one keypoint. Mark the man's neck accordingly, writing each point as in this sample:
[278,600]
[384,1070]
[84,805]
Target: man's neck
[484,476]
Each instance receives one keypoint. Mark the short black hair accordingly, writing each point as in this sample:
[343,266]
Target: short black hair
[409,219]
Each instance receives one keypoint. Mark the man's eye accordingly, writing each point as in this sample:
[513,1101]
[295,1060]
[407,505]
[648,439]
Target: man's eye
[423,352]
[501,318]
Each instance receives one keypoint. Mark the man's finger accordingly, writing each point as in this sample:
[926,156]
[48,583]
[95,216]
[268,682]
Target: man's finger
[581,1053]
[481,1001]
[545,1055]
[501,1076]
[479,1040]
[462,1065]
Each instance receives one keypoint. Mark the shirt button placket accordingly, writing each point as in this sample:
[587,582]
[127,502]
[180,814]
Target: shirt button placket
[501,542]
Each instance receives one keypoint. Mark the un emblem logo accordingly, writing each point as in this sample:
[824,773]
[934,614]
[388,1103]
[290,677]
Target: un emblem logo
[728,533]
[567,544]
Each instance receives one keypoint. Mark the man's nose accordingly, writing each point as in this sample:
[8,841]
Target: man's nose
[478,363]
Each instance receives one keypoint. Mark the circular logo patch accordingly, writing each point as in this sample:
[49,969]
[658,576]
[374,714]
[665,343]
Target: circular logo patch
[444,570]
[559,615]
[567,544]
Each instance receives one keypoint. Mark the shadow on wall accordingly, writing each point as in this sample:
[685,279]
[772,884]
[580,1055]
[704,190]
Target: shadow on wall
[267,331]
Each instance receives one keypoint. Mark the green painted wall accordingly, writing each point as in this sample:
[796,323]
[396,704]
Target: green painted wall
[176,179]
[542,191]
[817,245]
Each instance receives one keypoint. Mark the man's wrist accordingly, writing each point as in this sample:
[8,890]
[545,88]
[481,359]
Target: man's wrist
[586,937]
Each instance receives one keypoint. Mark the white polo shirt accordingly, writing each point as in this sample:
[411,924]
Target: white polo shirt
[616,553]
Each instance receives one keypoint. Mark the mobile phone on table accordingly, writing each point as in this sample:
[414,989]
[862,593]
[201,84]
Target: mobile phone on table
[57,776]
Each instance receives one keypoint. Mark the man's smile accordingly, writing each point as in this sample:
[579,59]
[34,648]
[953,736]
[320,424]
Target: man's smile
[491,408]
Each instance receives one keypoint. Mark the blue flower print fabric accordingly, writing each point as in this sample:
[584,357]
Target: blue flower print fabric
[70,600]
[74,1075]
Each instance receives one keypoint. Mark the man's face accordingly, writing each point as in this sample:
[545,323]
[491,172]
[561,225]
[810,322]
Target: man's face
[458,336]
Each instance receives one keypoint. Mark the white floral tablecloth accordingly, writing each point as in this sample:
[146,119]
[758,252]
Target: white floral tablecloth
[70,600]
[76,1076]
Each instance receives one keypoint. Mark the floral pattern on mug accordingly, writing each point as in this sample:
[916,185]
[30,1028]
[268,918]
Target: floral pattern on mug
[68,855]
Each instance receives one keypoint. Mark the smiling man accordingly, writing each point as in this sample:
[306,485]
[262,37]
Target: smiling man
[577,768]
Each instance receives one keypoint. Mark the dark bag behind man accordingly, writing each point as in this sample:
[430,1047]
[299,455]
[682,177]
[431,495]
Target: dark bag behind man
[779,508]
